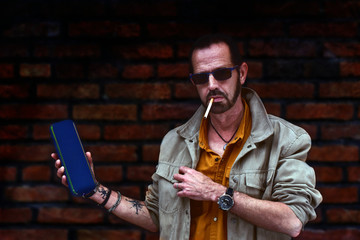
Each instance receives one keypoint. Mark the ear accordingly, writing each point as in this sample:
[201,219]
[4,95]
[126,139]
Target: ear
[243,72]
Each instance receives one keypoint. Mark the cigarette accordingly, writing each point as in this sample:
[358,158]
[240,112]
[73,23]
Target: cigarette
[208,108]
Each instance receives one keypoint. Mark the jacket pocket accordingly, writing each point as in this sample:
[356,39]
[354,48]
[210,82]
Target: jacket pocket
[257,182]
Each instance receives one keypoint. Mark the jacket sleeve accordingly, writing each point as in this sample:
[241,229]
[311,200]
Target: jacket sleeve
[295,180]
[151,200]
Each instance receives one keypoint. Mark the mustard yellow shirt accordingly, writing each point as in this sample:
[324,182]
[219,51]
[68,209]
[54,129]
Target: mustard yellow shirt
[207,220]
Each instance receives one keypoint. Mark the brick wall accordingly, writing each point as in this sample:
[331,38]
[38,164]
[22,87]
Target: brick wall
[119,70]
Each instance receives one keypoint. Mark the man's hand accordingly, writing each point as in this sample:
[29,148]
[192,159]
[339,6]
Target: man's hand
[197,186]
[61,170]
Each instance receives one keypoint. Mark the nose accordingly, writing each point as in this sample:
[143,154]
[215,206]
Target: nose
[213,83]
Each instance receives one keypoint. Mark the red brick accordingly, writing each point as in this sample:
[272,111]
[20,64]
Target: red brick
[33,111]
[338,234]
[341,49]
[145,9]
[132,191]
[283,90]
[339,111]
[68,71]
[15,215]
[310,129]
[185,91]
[85,234]
[36,173]
[26,153]
[176,29]
[348,29]
[321,69]
[254,29]
[135,132]
[8,174]
[287,9]
[35,70]
[340,131]
[350,69]
[340,90]
[341,8]
[178,70]
[86,131]
[354,174]
[103,29]
[140,71]
[70,215]
[152,236]
[34,234]
[29,29]
[138,91]
[255,69]
[140,173]
[145,51]
[36,194]
[284,69]
[288,48]
[66,51]
[77,91]
[328,174]
[273,108]
[334,153]
[109,173]
[14,91]
[168,111]
[9,132]
[14,50]
[340,215]
[89,132]
[339,194]
[105,112]
[103,70]
[183,50]
[112,153]
[150,153]
[6,70]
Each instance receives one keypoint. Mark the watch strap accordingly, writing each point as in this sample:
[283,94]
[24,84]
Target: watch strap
[230,191]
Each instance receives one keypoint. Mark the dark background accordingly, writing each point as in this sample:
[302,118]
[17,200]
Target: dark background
[119,70]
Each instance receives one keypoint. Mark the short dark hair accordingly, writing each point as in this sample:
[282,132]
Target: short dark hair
[208,40]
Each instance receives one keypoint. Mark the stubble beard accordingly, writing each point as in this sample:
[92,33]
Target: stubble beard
[221,107]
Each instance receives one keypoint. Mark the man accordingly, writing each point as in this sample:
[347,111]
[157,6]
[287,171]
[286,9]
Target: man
[237,174]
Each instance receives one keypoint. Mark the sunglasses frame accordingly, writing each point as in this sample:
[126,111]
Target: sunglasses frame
[212,73]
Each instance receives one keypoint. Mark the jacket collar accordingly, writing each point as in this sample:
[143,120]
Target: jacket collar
[261,125]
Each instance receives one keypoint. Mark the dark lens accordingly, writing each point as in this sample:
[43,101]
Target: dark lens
[200,78]
[222,74]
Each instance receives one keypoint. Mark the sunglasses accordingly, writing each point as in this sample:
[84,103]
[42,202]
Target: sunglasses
[220,74]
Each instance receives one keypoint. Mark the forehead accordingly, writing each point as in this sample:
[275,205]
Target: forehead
[215,56]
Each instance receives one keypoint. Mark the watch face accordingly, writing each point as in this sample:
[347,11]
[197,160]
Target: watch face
[226,202]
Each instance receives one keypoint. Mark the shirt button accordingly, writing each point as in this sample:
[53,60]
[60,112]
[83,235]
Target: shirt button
[215,219]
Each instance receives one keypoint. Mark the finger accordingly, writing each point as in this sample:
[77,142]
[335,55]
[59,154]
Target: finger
[58,163]
[60,172]
[179,177]
[54,156]
[63,181]
[88,156]
[184,169]
[177,186]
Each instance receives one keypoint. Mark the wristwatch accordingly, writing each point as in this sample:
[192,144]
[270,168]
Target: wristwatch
[226,201]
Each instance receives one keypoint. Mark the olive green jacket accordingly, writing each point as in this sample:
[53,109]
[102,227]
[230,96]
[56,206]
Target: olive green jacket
[271,166]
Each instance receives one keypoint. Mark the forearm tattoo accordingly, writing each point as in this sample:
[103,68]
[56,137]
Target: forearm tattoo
[103,192]
[136,204]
